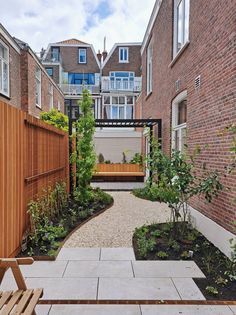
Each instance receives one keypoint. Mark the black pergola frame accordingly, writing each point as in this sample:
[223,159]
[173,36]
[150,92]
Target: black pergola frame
[119,123]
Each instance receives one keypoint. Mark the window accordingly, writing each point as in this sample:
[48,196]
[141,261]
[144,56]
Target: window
[118,107]
[123,54]
[82,55]
[55,53]
[50,71]
[50,93]
[122,80]
[179,122]
[149,67]
[38,86]
[82,78]
[181,24]
[4,69]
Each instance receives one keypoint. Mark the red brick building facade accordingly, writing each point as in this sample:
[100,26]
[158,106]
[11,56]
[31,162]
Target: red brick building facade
[19,85]
[188,74]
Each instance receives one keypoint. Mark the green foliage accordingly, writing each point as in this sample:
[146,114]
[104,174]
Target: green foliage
[107,162]
[162,255]
[184,255]
[55,118]
[124,158]
[145,244]
[86,157]
[212,290]
[48,206]
[101,158]
[137,159]
[221,281]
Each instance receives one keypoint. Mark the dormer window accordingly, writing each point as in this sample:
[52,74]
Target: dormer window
[55,53]
[82,55]
[123,55]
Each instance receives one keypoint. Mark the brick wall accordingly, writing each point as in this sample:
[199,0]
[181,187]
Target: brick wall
[70,63]
[134,63]
[28,68]
[14,75]
[211,54]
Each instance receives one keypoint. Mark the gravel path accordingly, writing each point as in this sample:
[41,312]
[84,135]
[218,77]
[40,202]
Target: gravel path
[114,227]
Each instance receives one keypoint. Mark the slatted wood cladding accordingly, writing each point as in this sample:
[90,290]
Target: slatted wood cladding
[33,155]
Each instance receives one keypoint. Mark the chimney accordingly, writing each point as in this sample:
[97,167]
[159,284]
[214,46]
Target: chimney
[42,53]
[104,55]
[99,55]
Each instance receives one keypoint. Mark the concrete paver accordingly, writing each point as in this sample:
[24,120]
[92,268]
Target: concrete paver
[185,310]
[117,253]
[44,269]
[166,269]
[79,254]
[136,288]
[187,288]
[65,288]
[99,269]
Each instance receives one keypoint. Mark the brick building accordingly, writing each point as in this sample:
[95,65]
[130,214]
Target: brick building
[73,64]
[188,80]
[24,82]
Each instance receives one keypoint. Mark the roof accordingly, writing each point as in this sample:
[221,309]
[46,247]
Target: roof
[72,41]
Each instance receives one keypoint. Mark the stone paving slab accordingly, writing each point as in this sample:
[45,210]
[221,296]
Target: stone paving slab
[233,308]
[187,288]
[63,288]
[136,288]
[99,269]
[44,269]
[116,186]
[79,254]
[121,253]
[43,309]
[166,269]
[185,310]
[95,310]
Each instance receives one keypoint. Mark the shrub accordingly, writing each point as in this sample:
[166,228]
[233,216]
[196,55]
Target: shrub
[101,158]
[55,118]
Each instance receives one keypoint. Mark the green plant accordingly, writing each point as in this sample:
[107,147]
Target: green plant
[55,118]
[156,233]
[137,159]
[174,245]
[221,281]
[145,246]
[101,158]
[84,214]
[124,158]
[212,290]
[162,255]
[86,157]
[107,162]
[184,255]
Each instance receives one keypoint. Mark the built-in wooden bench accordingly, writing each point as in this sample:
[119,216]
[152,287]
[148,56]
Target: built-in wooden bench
[22,301]
[135,174]
[118,170]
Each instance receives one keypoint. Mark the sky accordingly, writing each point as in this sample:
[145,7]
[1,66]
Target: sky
[39,22]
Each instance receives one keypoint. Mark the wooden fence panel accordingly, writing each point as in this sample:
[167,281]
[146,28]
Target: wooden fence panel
[33,156]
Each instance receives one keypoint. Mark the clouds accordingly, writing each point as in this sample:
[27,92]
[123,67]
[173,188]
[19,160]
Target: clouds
[40,22]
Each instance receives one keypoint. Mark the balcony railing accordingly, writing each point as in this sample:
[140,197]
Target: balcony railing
[52,58]
[76,89]
[122,84]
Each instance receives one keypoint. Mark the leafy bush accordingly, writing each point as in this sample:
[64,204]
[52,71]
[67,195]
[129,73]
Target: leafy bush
[137,159]
[55,118]
[101,158]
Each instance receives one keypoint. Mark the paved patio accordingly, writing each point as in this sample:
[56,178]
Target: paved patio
[115,227]
[113,273]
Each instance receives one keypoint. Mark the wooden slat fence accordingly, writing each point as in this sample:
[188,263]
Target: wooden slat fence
[33,155]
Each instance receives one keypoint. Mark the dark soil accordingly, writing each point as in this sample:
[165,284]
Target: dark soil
[69,223]
[218,269]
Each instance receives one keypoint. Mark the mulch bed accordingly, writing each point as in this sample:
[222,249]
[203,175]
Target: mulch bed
[218,269]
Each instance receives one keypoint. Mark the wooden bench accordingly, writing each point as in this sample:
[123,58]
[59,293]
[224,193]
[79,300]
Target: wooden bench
[135,174]
[22,301]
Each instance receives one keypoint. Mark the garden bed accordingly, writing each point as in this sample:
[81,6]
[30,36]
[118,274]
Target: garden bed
[52,234]
[156,242]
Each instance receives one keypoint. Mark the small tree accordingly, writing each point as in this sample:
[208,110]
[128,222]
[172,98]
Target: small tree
[55,118]
[86,156]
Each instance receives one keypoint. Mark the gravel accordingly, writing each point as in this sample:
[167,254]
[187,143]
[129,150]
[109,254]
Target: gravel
[115,227]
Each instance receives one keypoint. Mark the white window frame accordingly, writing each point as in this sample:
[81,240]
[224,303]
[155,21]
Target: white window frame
[3,62]
[50,93]
[83,49]
[123,60]
[38,82]
[149,67]
[175,127]
[119,105]
[185,27]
